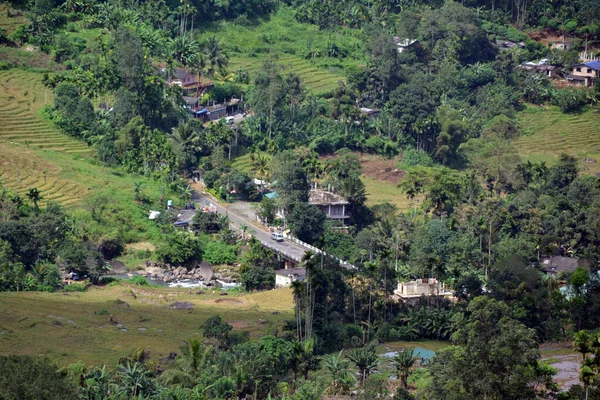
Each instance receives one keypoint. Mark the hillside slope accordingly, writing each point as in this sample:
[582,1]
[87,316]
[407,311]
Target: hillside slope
[547,133]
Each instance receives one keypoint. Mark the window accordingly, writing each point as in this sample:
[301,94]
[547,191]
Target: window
[578,69]
[589,70]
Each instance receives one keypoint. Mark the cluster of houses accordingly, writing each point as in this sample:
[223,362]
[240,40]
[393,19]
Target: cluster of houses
[582,74]
[193,88]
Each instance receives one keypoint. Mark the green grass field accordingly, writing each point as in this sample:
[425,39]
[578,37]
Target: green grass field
[34,154]
[70,327]
[547,133]
[300,47]
[385,192]
[316,79]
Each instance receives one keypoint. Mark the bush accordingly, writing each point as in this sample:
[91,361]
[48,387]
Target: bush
[571,100]
[414,158]
[74,287]
[138,280]
[179,248]
[219,253]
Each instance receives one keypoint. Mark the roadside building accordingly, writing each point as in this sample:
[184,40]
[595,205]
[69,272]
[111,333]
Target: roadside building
[563,45]
[333,205]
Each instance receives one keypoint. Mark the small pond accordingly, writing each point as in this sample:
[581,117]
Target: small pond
[425,354]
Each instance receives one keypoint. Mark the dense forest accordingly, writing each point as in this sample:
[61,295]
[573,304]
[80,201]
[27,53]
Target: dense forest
[482,219]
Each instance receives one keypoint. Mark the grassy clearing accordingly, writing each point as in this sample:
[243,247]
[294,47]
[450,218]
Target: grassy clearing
[300,47]
[10,23]
[548,133]
[70,327]
[381,192]
[317,80]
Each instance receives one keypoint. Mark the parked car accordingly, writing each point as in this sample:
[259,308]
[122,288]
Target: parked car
[276,236]
[229,120]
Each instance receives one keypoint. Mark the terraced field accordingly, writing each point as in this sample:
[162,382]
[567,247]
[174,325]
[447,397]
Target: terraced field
[317,80]
[21,130]
[22,95]
[547,133]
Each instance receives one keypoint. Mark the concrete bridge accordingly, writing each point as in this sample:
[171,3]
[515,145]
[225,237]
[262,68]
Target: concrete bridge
[291,249]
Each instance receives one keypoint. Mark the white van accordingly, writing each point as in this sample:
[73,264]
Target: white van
[229,120]
[276,236]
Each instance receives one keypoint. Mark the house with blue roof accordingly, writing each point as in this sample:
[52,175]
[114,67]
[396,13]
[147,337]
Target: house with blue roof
[585,73]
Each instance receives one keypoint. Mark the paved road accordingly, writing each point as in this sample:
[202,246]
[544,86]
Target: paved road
[291,250]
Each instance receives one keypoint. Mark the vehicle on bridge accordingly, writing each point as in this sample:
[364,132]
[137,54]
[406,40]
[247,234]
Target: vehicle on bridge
[277,236]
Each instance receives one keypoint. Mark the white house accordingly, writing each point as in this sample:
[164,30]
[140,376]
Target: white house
[422,287]
[285,277]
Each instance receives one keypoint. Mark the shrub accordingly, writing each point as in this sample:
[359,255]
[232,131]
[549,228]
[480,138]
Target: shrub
[138,280]
[414,158]
[101,311]
[571,100]
[75,287]
[219,253]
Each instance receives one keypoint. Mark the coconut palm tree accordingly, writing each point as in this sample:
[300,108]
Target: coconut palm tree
[185,141]
[34,195]
[260,167]
[216,59]
[187,368]
[403,362]
[184,49]
[198,68]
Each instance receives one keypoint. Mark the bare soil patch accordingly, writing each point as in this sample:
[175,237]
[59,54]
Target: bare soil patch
[233,302]
[378,167]
[140,246]
[240,324]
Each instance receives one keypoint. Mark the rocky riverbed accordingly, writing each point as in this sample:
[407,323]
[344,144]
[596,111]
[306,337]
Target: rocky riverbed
[204,273]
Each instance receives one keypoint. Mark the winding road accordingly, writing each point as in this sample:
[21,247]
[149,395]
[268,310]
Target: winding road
[289,249]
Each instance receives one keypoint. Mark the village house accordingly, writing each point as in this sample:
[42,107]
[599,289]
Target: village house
[403,44]
[285,277]
[413,290]
[189,82]
[370,113]
[549,70]
[584,74]
[333,205]
[555,265]
[562,45]
[507,44]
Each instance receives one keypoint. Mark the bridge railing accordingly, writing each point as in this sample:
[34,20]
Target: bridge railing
[319,251]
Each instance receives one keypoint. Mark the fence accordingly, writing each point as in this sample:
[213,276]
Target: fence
[319,251]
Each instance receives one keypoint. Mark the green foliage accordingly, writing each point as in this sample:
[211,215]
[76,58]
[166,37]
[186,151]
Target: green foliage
[179,248]
[306,222]
[571,100]
[29,378]
[412,157]
[494,343]
[74,287]
[257,267]
[217,252]
[216,328]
